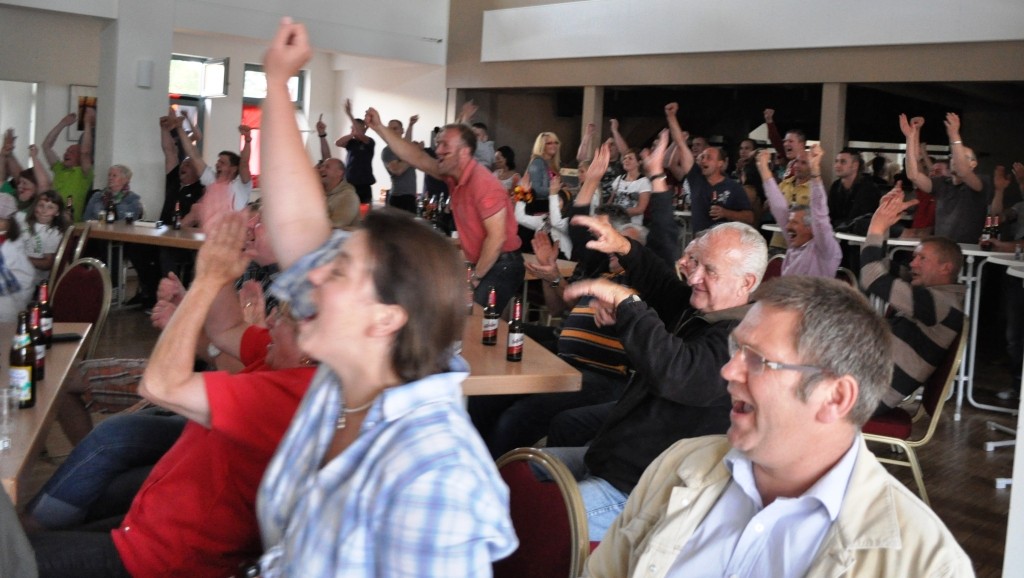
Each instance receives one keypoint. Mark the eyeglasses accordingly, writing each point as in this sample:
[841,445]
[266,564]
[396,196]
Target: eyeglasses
[756,363]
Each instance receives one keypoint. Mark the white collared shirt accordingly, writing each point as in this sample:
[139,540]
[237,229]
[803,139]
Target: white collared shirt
[740,537]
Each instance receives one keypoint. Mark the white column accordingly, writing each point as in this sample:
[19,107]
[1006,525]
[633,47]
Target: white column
[127,132]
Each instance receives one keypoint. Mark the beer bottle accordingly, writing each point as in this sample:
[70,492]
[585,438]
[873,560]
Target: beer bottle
[516,337]
[35,331]
[111,210]
[45,313]
[70,207]
[176,220]
[469,290]
[22,364]
[491,319]
[986,233]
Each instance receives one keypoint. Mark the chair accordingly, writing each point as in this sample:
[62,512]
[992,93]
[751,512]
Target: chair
[82,295]
[774,268]
[72,244]
[548,516]
[848,277]
[896,427]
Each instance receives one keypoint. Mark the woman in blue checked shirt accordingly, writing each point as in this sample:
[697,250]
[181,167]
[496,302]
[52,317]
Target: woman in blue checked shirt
[381,472]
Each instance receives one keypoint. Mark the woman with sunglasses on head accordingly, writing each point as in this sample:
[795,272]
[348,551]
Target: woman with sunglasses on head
[381,472]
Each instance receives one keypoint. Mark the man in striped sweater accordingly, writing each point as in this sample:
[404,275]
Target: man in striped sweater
[928,310]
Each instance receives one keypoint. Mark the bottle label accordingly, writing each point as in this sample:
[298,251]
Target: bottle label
[40,353]
[21,382]
[46,324]
[21,340]
[515,344]
[490,327]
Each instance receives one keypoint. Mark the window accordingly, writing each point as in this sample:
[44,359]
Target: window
[254,86]
[254,90]
[198,77]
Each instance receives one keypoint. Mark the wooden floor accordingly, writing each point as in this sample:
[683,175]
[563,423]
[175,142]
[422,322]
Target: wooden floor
[958,472]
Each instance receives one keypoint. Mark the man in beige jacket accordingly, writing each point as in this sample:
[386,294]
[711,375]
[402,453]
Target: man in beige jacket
[791,490]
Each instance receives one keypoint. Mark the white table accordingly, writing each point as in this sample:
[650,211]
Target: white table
[1013,557]
[1001,259]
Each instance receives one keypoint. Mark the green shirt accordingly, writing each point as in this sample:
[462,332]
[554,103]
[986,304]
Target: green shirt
[73,182]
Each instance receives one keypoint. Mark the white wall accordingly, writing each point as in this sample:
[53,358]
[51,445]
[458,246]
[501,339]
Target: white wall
[630,28]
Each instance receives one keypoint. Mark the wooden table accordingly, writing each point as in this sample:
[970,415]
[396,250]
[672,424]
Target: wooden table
[540,371]
[32,425]
[162,237]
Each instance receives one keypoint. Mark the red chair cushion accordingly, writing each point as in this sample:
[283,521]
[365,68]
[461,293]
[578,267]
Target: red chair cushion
[895,424]
[541,522]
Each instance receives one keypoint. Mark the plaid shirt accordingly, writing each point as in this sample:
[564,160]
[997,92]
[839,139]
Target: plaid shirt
[416,494]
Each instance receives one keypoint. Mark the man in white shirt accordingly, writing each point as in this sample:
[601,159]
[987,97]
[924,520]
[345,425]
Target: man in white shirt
[231,170]
[792,490]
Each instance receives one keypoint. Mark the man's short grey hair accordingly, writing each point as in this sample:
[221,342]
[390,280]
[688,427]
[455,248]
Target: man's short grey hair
[641,231]
[838,332]
[796,208]
[754,259]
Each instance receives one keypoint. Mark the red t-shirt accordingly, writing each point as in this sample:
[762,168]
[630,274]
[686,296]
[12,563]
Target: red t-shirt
[477,195]
[195,514]
[924,216]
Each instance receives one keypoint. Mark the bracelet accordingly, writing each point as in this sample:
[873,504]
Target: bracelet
[554,284]
[657,176]
[959,142]
[324,135]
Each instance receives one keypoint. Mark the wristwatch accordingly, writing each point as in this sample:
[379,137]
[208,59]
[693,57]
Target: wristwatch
[633,298]
[554,284]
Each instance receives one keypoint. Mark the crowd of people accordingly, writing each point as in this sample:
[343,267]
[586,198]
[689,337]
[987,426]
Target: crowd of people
[303,411]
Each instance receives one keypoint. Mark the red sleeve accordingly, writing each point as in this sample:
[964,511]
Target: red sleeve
[256,408]
[490,200]
[254,345]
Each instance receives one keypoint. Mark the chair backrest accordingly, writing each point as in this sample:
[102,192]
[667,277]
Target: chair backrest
[774,268]
[82,295]
[548,516]
[847,276]
[72,244]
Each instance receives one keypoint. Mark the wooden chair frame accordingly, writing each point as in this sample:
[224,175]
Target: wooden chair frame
[908,445]
[570,492]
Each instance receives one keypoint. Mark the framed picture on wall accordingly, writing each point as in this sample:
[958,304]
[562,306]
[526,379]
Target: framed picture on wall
[80,98]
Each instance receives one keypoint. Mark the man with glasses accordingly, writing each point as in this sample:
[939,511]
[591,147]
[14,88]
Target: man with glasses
[674,334]
[792,489]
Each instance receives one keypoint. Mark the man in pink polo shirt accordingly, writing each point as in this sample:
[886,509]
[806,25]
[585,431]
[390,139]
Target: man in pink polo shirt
[480,205]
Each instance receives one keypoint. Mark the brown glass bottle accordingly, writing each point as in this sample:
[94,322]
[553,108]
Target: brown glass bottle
[491,315]
[22,364]
[176,220]
[111,209]
[516,337]
[35,331]
[45,313]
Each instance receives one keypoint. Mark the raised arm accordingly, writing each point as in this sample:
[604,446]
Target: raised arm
[169,380]
[961,161]
[85,153]
[167,124]
[321,132]
[776,201]
[684,154]
[586,143]
[620,143]
[408,128]
[911,131]
[467,112]
[294,207]
[43,182]
[51,138]
[188,146]
[773,133]
[1000,182]
[245,154]
[403,149]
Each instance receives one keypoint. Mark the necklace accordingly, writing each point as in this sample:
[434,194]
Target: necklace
[342,415]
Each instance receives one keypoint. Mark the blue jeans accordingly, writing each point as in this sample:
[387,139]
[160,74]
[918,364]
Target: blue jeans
[507,422]
[506,276]
[115,447]
[602,500]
